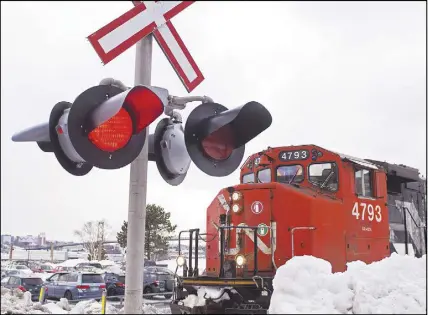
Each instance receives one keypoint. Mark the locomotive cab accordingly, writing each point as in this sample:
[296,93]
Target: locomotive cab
[294,201]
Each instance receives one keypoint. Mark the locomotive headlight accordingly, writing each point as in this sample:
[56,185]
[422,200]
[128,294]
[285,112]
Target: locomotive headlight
[180,261]
[236,208]
[236,196]
[240,260]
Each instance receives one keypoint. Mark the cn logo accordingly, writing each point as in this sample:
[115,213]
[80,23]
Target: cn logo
[256,207]
[262,229]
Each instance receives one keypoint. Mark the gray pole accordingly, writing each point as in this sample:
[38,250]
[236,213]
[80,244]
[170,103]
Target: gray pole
[137,196]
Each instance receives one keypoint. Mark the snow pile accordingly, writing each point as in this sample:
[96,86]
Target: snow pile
[92,307]
[17,302]
[150,309]
[394,285]
[204,293]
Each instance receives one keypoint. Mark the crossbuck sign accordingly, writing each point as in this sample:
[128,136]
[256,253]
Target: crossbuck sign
[145,18]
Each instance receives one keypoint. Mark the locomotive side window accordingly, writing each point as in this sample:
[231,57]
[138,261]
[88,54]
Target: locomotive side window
[248,178]
[264,175]
[289,173]
[363,183]
[324,175]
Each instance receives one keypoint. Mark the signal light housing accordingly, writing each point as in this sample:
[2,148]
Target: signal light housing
[167,148]
[215,136]
[104,127]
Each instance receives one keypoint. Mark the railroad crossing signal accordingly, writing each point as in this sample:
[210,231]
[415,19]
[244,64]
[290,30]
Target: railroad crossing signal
[213,138]
[104,127]
[145,18]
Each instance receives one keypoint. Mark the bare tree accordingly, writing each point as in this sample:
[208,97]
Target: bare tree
[92,235]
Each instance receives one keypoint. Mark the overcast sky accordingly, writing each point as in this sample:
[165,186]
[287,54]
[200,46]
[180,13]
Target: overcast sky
[350,77]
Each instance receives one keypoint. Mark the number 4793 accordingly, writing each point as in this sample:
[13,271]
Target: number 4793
[372,212]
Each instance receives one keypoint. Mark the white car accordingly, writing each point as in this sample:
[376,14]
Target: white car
[19,270]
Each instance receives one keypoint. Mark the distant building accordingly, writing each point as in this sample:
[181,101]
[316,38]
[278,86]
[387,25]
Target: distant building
[42,239]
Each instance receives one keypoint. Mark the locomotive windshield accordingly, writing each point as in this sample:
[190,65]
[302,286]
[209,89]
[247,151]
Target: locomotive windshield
[264,175]
[289,174]
[324,175]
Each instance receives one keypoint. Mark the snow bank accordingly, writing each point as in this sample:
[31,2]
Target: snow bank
[17,302]
[92,307]
[394,285]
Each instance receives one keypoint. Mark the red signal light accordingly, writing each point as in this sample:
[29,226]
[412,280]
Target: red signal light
[145,105]
[113,134]
[219,145]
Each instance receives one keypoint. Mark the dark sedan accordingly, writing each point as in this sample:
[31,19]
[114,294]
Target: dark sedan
[115,284]
[30,284]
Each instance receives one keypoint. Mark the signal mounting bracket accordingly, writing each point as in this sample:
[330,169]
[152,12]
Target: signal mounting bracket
[179,103]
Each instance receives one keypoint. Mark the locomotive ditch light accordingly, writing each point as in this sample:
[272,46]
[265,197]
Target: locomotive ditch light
[181,261]
[215,136]
[236,196]
[236,208]
[104,127]
[240,260]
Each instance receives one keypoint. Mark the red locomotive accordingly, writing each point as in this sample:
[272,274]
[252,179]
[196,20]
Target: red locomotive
[301,200]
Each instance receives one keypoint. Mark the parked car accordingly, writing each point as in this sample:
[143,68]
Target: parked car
[115,284]
[75,285]
[31,284]
[158,280]
[43,268]
[23,270]
[63,269]
[89,266]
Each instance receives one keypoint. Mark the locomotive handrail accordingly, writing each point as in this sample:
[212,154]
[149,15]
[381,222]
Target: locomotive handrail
[292,235]
[229,227]
[422,226]
[192,271]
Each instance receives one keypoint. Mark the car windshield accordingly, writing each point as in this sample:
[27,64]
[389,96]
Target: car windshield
[122,279]
[96,265]
[21,267]
[46,267]
[92,278]
[32,281]
[289,173]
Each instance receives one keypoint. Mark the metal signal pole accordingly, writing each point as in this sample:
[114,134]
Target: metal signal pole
[137,196]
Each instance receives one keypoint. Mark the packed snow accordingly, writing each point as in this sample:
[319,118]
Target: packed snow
[204,293]
[395,285]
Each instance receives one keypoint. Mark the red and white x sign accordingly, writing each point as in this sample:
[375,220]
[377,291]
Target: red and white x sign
[145,18]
